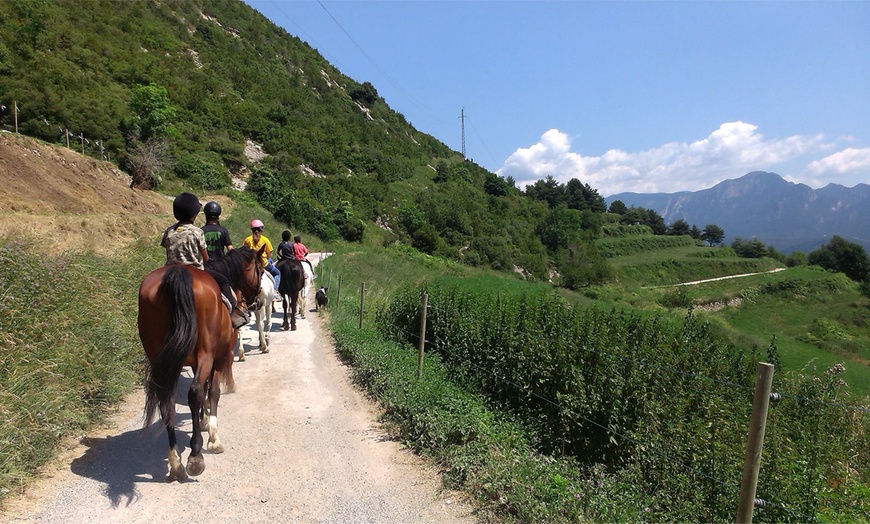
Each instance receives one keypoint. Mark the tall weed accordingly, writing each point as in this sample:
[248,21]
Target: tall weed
[68,327]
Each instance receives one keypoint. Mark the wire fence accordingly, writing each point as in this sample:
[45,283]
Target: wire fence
[59,134]
[732,484]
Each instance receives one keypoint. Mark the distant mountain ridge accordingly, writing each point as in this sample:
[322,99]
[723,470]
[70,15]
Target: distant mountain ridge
[782,214]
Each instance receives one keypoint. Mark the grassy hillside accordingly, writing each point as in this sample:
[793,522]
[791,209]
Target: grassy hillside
[529,398]
[819,318]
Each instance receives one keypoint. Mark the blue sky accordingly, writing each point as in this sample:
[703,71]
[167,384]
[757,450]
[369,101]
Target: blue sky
[625,96]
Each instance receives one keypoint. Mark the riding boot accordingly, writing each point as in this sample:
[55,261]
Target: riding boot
[240,318]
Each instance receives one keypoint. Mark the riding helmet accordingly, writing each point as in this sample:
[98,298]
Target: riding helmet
[186,206]
[256,224]
[212,210]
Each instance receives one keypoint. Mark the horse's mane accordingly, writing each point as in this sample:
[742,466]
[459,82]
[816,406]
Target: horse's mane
[232,265]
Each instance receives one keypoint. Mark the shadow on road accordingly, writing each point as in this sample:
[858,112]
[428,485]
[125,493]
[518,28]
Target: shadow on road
[139,455]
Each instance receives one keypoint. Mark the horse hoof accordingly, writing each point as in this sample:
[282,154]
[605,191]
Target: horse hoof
[215,448]
[195,465]
[285,327]
[179,475]
[264,349]
[241,358]
[293,328]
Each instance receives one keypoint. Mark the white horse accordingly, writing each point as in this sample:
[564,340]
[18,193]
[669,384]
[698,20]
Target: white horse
[303,293]
[262,315]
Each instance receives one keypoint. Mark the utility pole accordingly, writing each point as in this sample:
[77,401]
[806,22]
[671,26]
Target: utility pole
[462,119]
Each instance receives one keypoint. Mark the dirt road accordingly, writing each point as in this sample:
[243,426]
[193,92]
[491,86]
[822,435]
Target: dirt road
[302,445]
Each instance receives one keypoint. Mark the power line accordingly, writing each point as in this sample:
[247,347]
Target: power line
[370,59]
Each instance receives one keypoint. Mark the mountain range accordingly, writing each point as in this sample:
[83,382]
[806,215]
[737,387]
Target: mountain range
[787,216]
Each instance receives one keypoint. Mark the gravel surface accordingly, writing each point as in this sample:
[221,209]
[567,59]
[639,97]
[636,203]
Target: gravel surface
[302,445]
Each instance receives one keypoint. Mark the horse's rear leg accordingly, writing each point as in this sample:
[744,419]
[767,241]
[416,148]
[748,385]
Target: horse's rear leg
[176,469]
[285,325]
[294,308]
[195,398]
[214,396]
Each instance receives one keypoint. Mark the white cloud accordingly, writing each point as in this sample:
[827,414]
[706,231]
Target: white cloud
[844,162]
[728,152]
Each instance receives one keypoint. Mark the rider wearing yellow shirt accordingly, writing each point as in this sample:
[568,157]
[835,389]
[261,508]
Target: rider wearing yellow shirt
[255,241]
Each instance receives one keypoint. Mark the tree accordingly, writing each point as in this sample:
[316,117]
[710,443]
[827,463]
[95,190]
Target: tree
[581,197]
[654,221]
[366,94]
[560,228]
[679,227]
[840,255]
[145,162]
[749,248]
[618,207]
[548,190]
[153,111]
[632,216]
[713,234]
[797,258]
[147,149]
[495,185]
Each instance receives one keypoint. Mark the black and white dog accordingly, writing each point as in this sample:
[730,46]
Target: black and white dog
[320,298]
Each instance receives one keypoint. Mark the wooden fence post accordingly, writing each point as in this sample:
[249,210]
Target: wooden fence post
[329,280]
[422,336]
[15,114]
[362,300]
[338,295]
[755,441]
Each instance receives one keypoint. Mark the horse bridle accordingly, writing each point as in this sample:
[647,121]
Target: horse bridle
[259,270]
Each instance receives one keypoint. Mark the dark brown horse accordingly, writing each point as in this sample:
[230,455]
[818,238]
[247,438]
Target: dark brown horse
[292,281]
[184,322]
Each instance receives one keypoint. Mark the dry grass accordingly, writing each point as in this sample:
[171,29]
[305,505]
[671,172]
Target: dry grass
[54,196]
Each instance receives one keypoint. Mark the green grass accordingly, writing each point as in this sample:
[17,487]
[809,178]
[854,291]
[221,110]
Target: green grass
[71,350]
[815,329]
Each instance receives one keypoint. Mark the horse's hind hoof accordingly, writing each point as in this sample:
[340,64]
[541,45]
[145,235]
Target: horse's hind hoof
[195,465]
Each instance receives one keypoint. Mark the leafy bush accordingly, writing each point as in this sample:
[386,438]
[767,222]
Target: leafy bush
[203,170]
[631,396]
[621,246]
[676,298]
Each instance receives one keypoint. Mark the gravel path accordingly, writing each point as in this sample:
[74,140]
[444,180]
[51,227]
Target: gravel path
[302,445]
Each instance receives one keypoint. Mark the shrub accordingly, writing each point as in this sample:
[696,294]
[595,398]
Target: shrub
[203,170]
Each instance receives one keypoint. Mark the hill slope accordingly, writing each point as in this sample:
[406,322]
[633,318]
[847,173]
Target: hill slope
[60,197]
[219,76]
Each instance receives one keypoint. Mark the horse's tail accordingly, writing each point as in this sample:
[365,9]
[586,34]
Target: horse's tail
[180,341]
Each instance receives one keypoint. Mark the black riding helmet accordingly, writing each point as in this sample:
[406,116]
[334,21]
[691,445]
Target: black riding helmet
[186,206]
[212,210]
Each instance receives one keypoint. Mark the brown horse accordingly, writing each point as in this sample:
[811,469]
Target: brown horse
[292,281]
[184,322]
